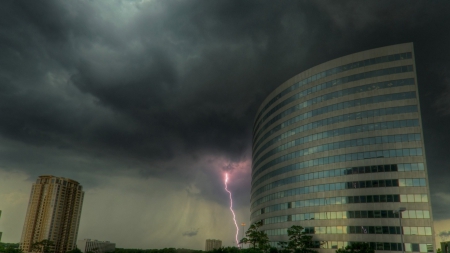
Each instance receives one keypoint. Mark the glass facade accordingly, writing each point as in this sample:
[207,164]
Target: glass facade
[335,107]
[408,214]
[334,140]
[337,119]
[341,186]
[333,146]
[342,200]
[388,246]
[338,173]
[389,230]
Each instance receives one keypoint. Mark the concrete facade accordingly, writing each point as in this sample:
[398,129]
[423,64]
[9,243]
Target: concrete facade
[212,244]
[338,148]
[88,245]
[53,213]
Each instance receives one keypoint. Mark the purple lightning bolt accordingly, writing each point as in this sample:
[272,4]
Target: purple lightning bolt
[231,208]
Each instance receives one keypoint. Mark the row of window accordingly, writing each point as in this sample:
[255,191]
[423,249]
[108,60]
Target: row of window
[389,246]
[342,215]
[301,106]
[332,95]
[389,230]
[350,157]
[334,120]
[339,132]
[338,145]
[334,133]
[342,186]
[340,172]
[341,200]
[336,107]
[333,71]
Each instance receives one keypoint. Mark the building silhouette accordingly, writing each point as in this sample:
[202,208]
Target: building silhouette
[338,149]
[212,244]
[53,213]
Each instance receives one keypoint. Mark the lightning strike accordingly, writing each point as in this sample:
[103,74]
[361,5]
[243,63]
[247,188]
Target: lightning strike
[231,208]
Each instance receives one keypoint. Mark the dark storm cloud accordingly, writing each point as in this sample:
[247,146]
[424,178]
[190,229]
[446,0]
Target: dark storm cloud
[191,233]
[158,85]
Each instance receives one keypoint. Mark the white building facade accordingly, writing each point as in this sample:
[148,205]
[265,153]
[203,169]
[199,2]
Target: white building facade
[88,245]
[212,244]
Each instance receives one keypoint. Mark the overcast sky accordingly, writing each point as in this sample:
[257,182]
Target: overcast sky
[148,103]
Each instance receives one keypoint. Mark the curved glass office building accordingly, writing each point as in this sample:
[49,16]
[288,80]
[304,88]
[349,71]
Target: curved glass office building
[338,149]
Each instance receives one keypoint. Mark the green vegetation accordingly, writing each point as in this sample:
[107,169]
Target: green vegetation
[76,250]
[10,248]
[258,239]
[165,250]
[357,247]
[236,250]
[43,246]
[299,241]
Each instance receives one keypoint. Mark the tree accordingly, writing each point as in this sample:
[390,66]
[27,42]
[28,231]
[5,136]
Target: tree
[225,250]
[439,250]
[76,250]
[357,247]
[299,241]
[10,248]
[284,247]
[445,248]
[273,250]
[43,246]
[255,237]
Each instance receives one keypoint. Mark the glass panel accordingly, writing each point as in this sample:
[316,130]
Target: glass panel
[421,230]
[417,198]
[408,247]
[406,231]
[423,247]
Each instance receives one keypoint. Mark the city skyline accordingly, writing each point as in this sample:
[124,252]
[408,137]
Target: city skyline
[149,103]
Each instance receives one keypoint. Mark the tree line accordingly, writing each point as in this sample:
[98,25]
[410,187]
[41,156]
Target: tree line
[257,239]
[298,242]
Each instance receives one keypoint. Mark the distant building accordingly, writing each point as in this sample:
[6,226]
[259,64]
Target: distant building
[88,245]
[212,244]
[53,213]
[445,247]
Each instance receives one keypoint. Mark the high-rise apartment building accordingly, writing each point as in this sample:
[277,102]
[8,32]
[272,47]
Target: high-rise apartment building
[53,213]
[88,245]
[338,149]
[212,244]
